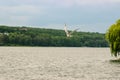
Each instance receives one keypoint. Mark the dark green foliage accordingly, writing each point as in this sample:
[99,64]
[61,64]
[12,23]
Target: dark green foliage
[27,36]
[113,37]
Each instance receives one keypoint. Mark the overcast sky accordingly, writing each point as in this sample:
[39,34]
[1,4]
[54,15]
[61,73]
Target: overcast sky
[88,15]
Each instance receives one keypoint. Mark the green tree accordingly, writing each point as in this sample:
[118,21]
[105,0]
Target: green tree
[113,37]
[1,39]
[28,36]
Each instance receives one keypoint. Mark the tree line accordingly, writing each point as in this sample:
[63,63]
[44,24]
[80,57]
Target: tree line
[28,36]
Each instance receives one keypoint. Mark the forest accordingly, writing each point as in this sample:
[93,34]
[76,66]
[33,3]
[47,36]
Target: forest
[29,36]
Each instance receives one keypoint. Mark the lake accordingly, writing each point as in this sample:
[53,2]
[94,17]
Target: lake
[57,63]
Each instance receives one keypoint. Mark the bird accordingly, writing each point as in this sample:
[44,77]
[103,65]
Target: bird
[69,34]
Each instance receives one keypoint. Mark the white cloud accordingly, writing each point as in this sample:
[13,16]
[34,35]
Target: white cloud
[46,12]
[19,15]
[96,2]
[26,9]
[70,3]
[66,3]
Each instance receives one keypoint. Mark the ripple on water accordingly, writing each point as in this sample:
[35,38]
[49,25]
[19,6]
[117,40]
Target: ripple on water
[27,63]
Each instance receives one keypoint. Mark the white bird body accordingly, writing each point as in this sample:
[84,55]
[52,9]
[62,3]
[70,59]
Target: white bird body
[68,34]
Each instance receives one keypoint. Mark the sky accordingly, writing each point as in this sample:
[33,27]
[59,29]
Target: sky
[88,15]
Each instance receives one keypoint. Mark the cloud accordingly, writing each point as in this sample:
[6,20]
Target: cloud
[58,3]
[47,12]
[71,3]
[26,9]
[94,2]
[20,14]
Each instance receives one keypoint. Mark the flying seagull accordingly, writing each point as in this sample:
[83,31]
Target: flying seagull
[69,34]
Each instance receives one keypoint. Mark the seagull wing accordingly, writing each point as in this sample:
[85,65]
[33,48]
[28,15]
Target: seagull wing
[74,31]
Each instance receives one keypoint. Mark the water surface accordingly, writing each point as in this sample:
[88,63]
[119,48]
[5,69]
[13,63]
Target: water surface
[54,63]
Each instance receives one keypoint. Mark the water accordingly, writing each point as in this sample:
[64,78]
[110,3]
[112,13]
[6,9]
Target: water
[54,63]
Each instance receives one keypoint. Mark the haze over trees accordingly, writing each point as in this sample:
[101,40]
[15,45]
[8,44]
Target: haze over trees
[27,36]
[113,37]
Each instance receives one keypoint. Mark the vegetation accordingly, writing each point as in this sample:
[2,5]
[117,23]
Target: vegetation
[27,36]
[115,61]
[113,37]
